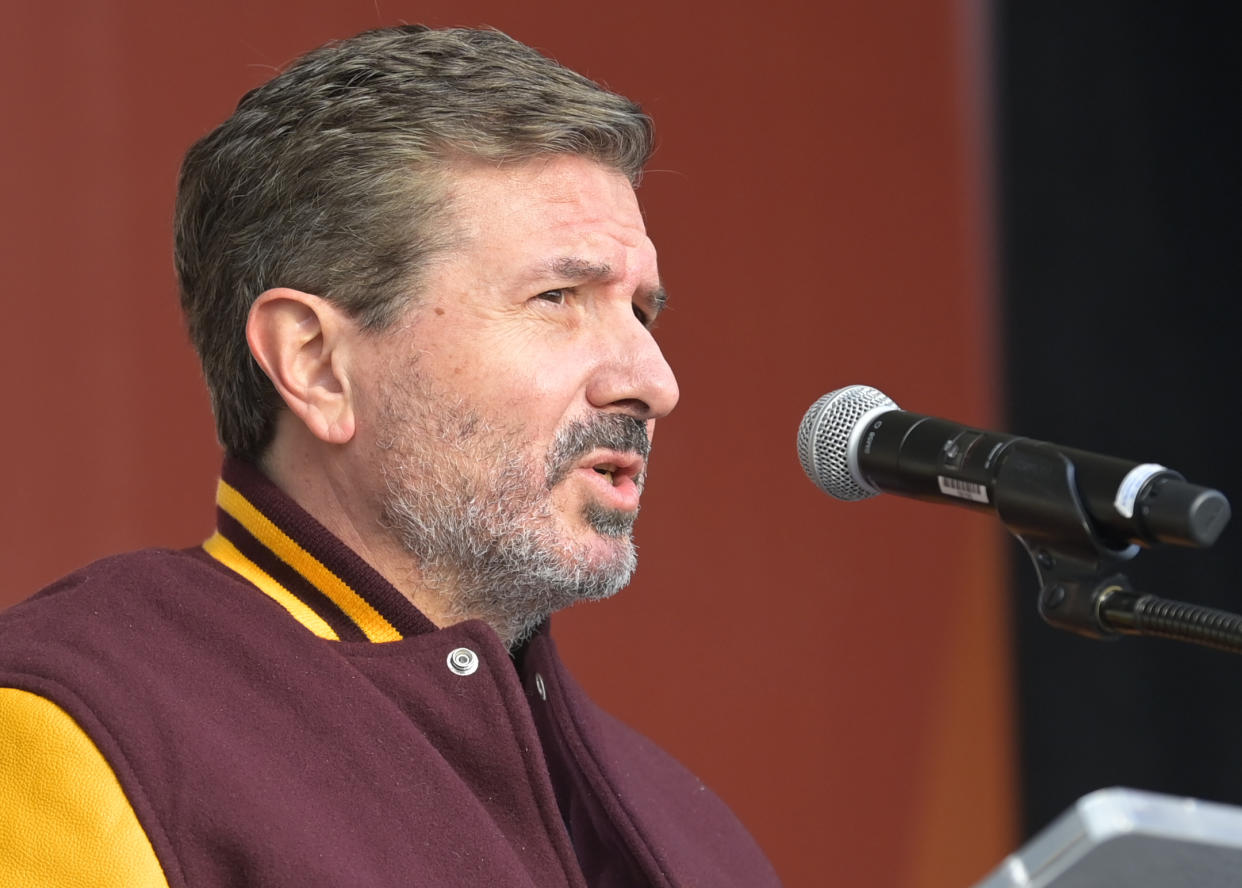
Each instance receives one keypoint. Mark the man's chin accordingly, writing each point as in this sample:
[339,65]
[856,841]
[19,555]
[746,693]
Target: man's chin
[599,553]
[604,547]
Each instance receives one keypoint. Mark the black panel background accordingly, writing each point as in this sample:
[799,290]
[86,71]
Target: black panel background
[1120,202]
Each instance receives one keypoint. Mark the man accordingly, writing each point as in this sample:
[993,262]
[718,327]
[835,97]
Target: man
[417,277]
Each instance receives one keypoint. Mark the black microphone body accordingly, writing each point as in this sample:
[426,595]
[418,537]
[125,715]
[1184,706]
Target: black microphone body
[886,449]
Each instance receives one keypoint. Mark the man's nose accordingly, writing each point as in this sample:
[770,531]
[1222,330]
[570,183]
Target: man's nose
[633,375]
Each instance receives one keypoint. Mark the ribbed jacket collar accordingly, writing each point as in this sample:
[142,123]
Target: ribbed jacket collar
[266,537]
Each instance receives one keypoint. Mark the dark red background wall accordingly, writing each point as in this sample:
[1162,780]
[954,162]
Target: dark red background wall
[836,672]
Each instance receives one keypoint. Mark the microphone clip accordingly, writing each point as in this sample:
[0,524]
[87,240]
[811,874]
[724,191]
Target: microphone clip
[1038,501]
[1082,588]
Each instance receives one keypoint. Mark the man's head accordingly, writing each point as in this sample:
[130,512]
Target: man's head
[432,244]
[330,179]
[507,416]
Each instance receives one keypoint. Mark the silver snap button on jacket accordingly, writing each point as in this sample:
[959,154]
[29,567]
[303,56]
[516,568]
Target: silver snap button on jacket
[463,661]
[540,687]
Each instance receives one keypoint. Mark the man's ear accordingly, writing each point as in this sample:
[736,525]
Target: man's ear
[301,341]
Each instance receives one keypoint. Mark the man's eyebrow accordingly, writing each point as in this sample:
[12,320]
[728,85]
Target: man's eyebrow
[577,269]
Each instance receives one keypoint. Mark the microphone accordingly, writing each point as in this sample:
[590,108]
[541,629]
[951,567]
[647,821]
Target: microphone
[855,442]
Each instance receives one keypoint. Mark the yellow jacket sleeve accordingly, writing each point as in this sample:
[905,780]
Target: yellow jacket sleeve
[64,820]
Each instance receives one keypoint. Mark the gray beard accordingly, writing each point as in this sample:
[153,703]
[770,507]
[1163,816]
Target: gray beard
[479,521]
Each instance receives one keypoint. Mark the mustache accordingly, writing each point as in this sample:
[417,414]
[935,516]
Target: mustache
[603,431]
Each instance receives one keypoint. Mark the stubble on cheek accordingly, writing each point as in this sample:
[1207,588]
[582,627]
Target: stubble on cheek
[477,512]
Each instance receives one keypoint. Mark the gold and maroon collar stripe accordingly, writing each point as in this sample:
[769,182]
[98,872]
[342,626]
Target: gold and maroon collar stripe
[322,599]
[287,580]
[223,550]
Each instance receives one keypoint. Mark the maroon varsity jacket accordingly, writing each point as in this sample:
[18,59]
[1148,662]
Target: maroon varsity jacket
[267,710]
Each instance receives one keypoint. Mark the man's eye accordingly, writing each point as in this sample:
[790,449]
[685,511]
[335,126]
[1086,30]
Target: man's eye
[556,297]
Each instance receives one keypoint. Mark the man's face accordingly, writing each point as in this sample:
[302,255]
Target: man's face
[514,402]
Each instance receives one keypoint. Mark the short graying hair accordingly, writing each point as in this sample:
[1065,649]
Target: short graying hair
[330,179]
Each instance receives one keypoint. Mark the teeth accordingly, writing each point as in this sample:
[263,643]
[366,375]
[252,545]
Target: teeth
[606,471]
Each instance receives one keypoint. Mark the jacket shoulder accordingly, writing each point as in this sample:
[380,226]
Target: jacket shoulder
[113,581]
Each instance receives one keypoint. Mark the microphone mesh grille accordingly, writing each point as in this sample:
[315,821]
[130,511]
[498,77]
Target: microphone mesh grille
[824,439]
